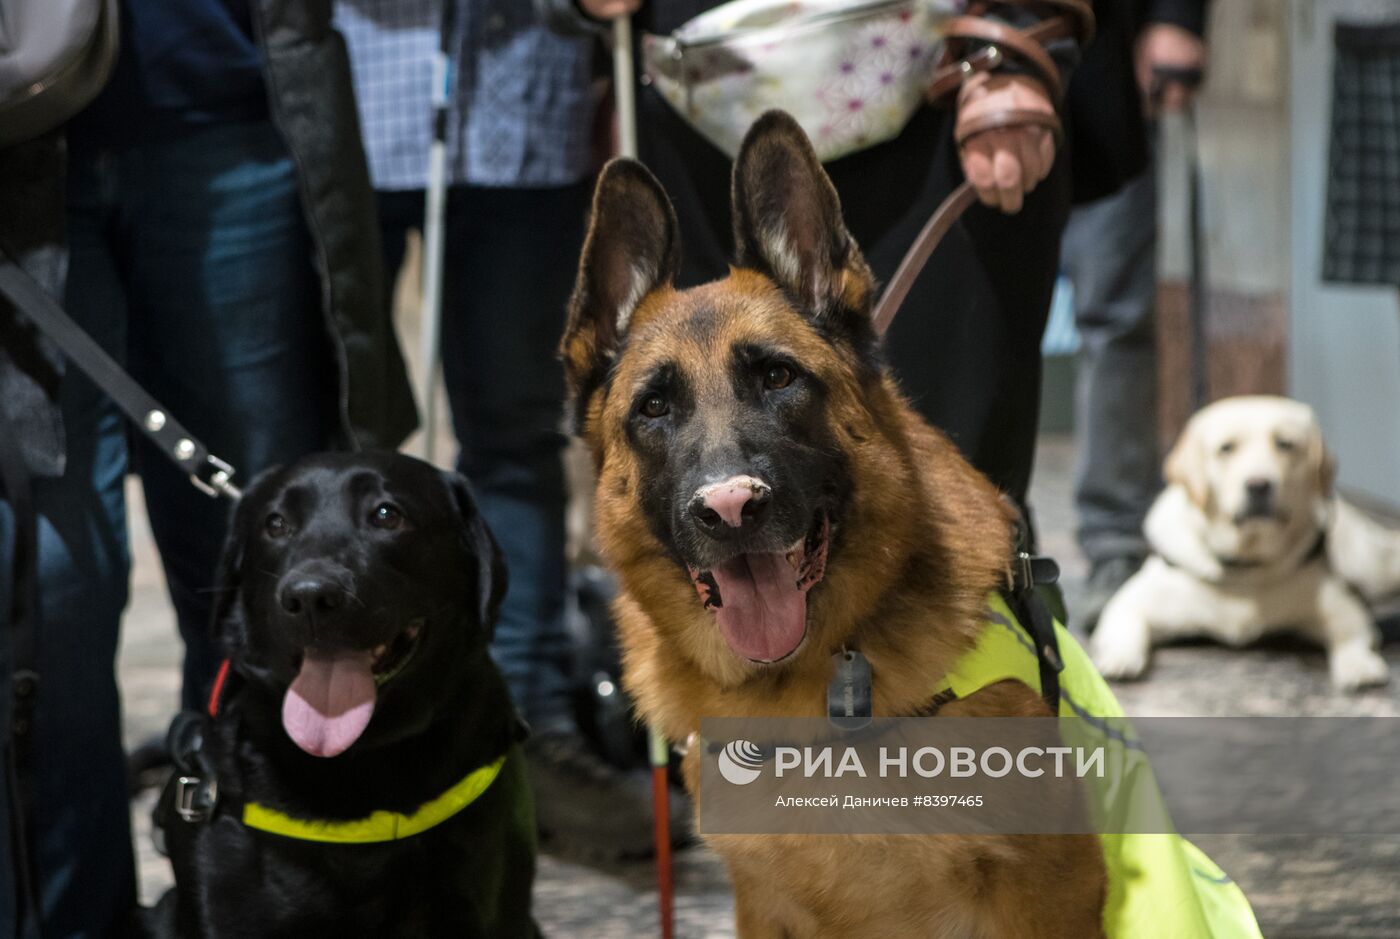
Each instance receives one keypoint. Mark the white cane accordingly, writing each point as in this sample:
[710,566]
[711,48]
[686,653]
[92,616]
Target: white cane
[623,90]
[434,224]
[624,94]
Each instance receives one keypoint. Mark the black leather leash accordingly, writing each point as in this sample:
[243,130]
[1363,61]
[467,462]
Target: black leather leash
[207,472]
[1029,573]
[1189,79]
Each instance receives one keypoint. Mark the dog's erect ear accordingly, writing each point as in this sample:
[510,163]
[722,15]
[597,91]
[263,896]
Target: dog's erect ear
[1186,465]
[632,248]
[490,564]
[226,624]
[788,225]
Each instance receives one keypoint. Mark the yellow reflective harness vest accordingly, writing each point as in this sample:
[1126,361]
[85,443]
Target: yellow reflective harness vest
[1161,886]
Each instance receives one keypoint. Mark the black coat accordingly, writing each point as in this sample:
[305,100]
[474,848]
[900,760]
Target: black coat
[31,234]
[313,105]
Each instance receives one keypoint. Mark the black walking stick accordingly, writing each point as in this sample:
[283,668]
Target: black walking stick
[1190,79]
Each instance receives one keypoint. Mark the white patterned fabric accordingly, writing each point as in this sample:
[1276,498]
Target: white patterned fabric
[852,72]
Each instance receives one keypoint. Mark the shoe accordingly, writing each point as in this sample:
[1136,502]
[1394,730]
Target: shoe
[587,808]
[1106,576]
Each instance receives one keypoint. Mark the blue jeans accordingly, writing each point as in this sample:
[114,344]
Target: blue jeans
[190,263]
[1109,253]
[511,255]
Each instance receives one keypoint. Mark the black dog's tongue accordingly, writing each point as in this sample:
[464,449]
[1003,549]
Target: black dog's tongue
[330,702]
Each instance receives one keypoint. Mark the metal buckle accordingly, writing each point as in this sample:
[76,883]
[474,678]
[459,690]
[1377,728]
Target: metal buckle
[195,799]
[1052,655]
[1023,574]
[983,60]
[1028,570]
[220,478]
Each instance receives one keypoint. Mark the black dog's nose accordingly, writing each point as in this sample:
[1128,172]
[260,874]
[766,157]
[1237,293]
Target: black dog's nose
[313,595]
[735,506]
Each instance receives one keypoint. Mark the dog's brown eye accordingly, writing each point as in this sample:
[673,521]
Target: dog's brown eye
[1227,448]
[654,405]
[276,526]
[777,376]
[1285,446]
[386,516]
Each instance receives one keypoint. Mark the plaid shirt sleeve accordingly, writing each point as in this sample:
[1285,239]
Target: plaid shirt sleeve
[520,113]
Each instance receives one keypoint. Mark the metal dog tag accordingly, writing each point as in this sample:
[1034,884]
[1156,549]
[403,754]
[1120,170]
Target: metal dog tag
[848,695]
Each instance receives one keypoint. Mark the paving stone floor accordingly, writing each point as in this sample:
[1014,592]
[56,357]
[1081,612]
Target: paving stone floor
[1302,888]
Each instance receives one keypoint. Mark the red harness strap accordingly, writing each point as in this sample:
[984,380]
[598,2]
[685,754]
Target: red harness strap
[217,691]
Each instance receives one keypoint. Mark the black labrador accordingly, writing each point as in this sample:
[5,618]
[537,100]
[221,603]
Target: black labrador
[360,774]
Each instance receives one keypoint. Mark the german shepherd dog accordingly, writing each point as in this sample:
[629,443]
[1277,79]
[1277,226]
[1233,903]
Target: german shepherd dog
[766,496]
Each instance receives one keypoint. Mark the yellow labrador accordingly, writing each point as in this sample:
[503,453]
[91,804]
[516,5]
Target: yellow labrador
[1248,539]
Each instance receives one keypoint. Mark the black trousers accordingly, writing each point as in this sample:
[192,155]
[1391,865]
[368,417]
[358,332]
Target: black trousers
[966,344]
[510,258]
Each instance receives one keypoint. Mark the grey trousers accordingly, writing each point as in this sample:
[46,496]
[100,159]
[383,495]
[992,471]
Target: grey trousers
[1109,254]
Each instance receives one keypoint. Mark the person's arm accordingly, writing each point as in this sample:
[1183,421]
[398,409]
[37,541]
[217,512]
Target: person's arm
[1005,164]
[1174,38]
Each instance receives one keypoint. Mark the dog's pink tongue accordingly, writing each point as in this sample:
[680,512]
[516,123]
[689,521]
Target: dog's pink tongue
[763,613]
[330,702]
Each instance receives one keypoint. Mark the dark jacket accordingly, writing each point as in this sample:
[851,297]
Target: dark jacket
[1107,130]
[312,104]
[31,235]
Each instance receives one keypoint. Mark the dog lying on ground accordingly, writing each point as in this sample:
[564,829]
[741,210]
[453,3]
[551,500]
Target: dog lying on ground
[766,496]
[363,742]
[1248,539]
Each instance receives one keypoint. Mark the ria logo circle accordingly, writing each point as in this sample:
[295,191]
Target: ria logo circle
[740,762]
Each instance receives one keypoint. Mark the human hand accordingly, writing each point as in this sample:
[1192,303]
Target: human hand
[609,9]
[1162,45]
[1005,163]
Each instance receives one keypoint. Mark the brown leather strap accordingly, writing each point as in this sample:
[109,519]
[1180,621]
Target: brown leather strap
[1006,40]
[1079,13]
[948,212]
[1011,117]
[1075,18]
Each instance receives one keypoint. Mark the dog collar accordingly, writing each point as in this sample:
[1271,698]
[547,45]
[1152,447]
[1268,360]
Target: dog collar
[1238,565]
[378,826]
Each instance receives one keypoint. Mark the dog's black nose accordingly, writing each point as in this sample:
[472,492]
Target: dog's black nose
[1258,496]
[314,595]
[732,507]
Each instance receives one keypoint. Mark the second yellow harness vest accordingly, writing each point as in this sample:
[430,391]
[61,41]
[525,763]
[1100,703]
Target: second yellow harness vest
[1161,886]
